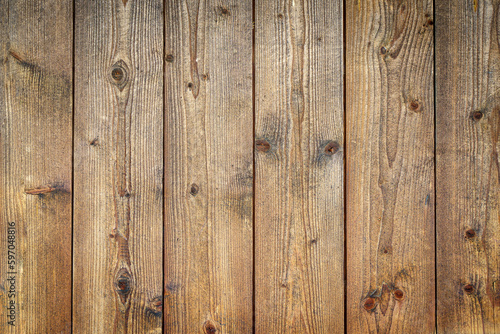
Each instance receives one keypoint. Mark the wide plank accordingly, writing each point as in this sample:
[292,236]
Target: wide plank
[467,162]
[208,166]
[36,111]
[299,166]
[118,173]
[390,166]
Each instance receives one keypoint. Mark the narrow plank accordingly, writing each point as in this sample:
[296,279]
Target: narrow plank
[35,166]
[118,199]
[208,166]
[467,161]
[299,200]
[390,164]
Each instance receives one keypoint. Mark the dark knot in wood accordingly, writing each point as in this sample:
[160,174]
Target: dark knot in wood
[331,148]
[262,145]
[119,74]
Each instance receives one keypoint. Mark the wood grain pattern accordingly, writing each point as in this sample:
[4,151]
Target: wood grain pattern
[467,146]
[35,165]
[390,164]
[299,239]
[118,200]
[208,166]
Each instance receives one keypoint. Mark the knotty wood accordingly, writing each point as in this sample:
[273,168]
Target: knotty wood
[299,240]
[35,163]
[467,146]
[390,164]
[118,199]
[208,166]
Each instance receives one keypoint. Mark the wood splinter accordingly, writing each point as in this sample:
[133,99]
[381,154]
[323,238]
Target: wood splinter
[39,191]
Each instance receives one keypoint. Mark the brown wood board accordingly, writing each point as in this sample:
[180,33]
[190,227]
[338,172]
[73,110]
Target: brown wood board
[254,166]
[35,166]
[390,167]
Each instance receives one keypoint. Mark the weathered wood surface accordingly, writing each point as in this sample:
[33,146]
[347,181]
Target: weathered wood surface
[118,167]
[208,166]
[390,164]
[467,178]
[299,240]
[207,146]
[35,165]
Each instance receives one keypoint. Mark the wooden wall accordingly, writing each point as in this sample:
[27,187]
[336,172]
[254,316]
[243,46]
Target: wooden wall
[249,166]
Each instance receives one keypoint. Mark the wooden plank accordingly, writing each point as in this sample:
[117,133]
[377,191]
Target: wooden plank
[390,164]
[35,166]
[208,166]
[467,183]
[118,199]
[299,219]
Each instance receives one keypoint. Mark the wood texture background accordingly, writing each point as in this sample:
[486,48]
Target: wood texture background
[253,166]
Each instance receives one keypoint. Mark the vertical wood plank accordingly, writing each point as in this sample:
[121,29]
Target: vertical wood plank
[299,219]
[208,166]
[390,164]
[35,166]
[467,183]
[118,175]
